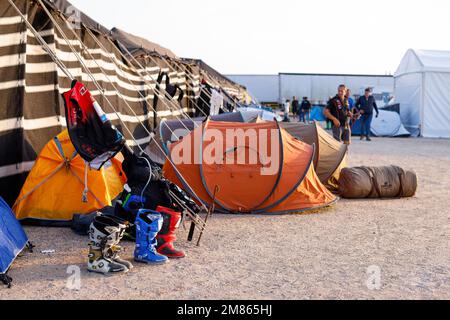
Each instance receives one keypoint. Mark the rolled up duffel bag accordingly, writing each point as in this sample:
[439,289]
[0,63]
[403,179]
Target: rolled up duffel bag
[380,182]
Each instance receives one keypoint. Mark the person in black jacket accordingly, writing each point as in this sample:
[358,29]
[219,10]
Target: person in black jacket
[305,110]
[295,106]
[365,106]
[338,112]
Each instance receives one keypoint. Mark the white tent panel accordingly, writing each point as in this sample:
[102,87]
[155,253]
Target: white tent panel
[424,61]
[408,92]
[409,64]
[436,113]
[422,87]
[433,60]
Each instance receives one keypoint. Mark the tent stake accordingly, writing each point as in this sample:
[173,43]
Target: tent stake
[209,213]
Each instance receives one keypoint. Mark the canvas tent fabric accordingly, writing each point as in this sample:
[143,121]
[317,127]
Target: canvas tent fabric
[31,108]
[137,45]
[292,188]
[187,73]
[213,77]
[172,130]
[210,71]
[198,70]
[32,111]
[388,124]
[263,114]
[330,157]
[157,60]
[53,191]
[421,87]
[12,237]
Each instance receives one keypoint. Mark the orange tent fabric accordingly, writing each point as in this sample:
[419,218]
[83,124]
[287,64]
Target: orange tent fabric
[247,187]
[54,188]
[331,155]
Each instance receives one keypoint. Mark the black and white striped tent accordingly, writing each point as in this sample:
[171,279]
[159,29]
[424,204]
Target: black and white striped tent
[31,110]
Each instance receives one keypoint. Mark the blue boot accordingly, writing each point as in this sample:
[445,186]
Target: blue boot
[148,223]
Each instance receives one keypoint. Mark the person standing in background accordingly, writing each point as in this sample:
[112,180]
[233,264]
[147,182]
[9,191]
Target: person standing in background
[337,110]
[287,109]
[295,106]
[305,108]
[365,106]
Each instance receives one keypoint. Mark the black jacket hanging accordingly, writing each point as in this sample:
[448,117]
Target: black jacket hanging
[170,93]
[93,135]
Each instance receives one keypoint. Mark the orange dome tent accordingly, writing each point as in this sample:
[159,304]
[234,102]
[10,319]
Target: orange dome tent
[55,186]
[209,157]
[331,155]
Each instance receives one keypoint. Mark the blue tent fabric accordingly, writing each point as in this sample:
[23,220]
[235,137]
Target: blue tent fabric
[317,114]
[356,128]
[12,239]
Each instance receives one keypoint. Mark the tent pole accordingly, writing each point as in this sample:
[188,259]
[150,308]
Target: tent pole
[219,85]
[101,92]
[187,76]
[85,49]
[129,81]
[142,67]
[214,83]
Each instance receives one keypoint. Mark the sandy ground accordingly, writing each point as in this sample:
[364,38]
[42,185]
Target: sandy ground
[327,255]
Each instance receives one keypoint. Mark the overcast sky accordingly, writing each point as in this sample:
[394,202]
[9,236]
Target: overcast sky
[271,36]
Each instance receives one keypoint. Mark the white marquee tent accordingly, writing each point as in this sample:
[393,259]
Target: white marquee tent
[422,87]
